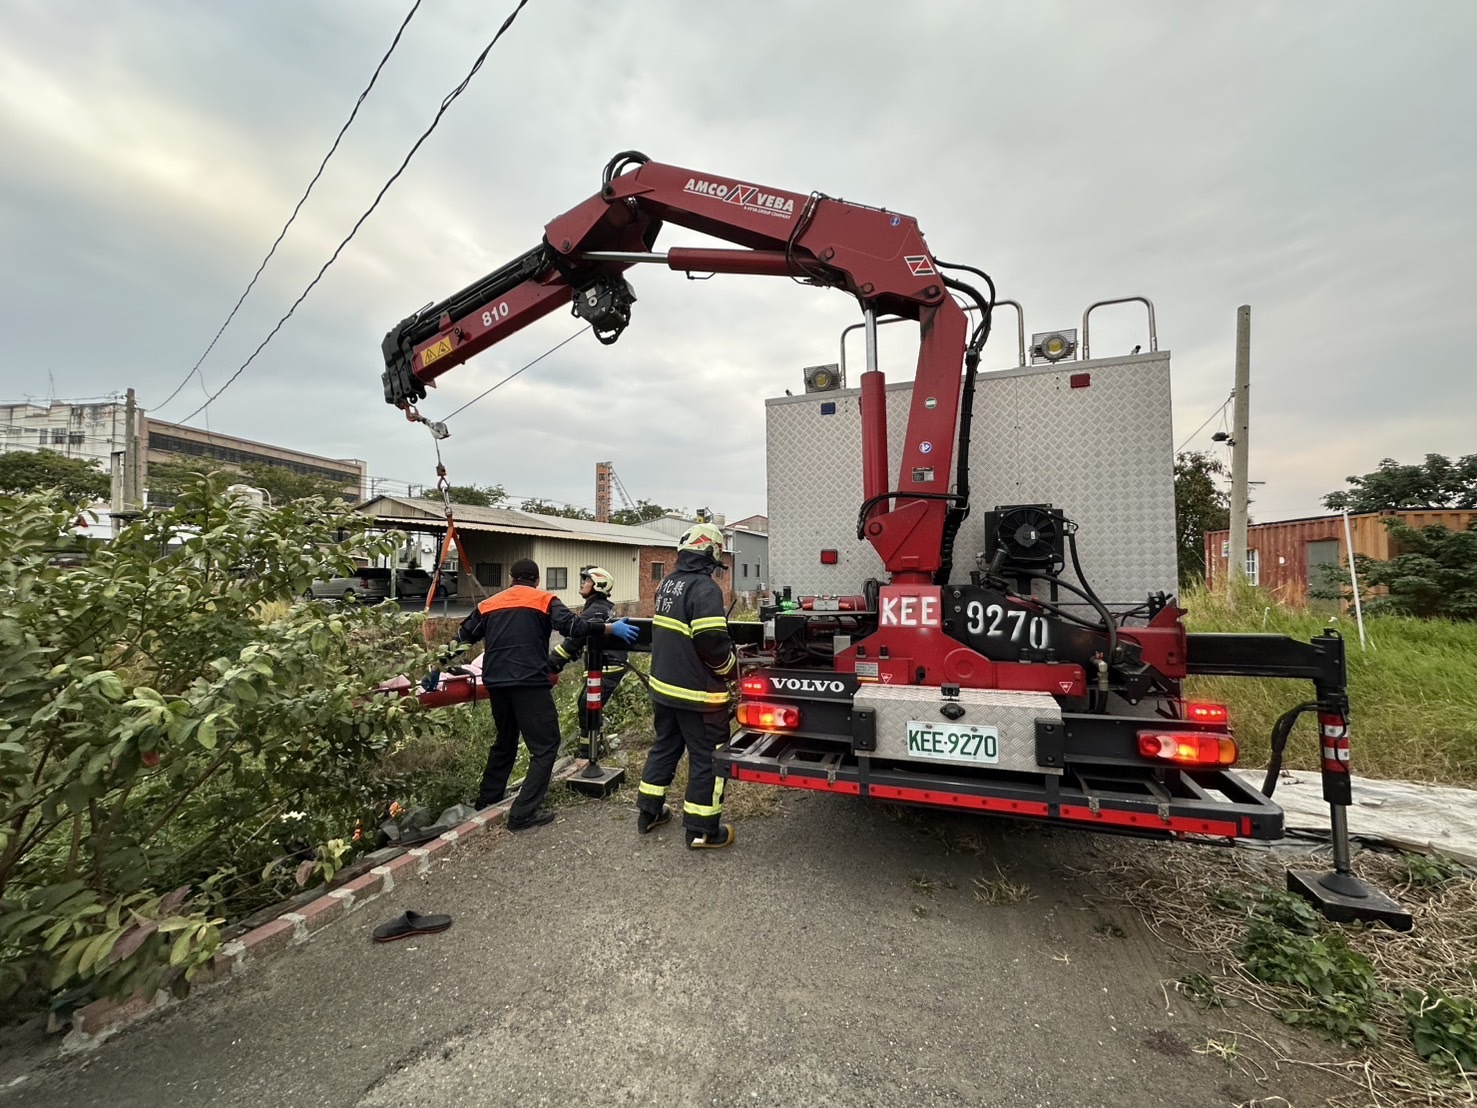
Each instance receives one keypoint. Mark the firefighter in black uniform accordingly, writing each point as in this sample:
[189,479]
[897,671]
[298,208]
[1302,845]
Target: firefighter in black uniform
[596,585]
[515,626]
[692,665]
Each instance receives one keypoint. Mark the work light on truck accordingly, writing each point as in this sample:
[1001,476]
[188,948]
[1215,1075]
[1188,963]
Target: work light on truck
[1184,748]
[768,717]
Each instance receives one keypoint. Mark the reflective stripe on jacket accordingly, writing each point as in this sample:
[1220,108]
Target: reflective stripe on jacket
[691,653]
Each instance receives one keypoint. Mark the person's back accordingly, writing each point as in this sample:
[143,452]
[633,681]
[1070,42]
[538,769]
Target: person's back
[515,636]
[689,637]
[692,663]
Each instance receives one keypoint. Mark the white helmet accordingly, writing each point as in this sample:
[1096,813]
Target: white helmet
[704,538]
[603,582]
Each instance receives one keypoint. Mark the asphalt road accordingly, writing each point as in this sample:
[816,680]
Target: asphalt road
[835,956]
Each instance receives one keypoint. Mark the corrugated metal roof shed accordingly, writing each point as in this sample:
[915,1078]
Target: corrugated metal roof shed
[400,511]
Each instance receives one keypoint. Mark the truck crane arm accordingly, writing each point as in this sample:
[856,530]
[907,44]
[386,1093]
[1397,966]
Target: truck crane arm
[877,256]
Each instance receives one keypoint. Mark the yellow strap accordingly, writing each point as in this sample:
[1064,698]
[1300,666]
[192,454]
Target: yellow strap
[653,790]
[672,625]
[697,696]
[727,667]
[709,623]
[559,650]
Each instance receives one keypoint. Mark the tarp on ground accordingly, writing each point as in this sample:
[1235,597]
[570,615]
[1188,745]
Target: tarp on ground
[1429,817]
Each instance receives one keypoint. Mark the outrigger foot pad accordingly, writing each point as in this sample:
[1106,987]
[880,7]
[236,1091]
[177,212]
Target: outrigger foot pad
[1344,898]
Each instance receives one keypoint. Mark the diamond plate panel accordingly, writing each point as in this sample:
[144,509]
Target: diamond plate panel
[1103,454]
[1014,713]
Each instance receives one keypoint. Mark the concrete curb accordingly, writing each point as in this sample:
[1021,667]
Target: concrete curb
[96,1022]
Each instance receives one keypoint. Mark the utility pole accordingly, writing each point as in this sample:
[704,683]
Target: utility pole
[130,454]
[1241,424]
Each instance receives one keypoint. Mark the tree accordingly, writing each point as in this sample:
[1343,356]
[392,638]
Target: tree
[548,508]
[1438,482]
[1433,575]
[1200,505]
[79,479]
[479,496]
[644,512]
[285,485]
[178,741]
[168,477]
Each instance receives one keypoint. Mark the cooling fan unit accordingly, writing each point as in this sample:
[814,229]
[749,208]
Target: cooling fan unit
[1031,535]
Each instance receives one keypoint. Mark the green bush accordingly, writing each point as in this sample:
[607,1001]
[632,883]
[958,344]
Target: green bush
[179,743]
[1331,986]
[1444,1029]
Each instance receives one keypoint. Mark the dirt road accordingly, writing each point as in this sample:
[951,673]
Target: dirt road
[838,955]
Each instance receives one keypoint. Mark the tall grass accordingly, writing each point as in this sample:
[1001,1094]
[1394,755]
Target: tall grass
[1413,690]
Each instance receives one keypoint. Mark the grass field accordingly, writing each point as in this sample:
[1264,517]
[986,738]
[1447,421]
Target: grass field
[1413,689]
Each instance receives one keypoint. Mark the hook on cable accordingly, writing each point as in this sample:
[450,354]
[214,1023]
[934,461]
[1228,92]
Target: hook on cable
[436,427]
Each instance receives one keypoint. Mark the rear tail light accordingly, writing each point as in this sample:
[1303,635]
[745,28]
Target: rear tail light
[754,685]
[1196,712]
[1187,748]
[768,717]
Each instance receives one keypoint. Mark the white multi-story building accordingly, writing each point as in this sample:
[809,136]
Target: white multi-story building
[98,430]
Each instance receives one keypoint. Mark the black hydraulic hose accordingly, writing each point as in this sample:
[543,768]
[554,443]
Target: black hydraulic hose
[960,511]
[982,332]
[1092,597]
[617,165]
[1109,626]
[1281,730]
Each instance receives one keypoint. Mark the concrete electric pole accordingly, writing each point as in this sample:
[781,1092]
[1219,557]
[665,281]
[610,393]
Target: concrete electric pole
[130,454]
[1240,443]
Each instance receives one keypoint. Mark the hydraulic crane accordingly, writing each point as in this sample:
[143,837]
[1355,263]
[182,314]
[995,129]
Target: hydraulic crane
[987,694]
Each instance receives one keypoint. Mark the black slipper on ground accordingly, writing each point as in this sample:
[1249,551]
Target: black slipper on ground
[411,923]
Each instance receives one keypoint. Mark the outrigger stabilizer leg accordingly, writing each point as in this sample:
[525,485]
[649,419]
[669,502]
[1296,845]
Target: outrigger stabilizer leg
[1340,895]
[595,780]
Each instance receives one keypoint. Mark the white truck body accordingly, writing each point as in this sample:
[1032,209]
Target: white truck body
[1102,451]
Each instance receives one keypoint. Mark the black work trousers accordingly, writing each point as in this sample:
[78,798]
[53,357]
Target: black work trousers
[699,734]
[526,711]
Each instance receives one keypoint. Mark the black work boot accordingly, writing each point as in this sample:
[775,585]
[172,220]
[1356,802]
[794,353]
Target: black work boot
[646,821]
[712,840]
[538,819]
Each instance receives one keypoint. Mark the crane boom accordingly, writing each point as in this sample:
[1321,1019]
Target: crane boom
[877,256]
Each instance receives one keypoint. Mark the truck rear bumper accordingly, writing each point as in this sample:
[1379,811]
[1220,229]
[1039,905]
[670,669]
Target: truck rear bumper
[1208,804]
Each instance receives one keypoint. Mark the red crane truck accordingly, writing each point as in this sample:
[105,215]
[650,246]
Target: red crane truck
[1006,685]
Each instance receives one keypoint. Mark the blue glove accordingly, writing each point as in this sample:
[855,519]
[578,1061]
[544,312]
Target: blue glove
[431,681]
[625,630]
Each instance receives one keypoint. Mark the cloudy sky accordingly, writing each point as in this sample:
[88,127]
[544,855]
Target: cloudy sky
[1313,159]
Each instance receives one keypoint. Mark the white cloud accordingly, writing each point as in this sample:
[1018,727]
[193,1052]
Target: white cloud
[1308,160]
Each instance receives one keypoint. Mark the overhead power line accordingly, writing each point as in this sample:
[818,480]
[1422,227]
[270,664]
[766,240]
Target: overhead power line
[299,207]
[441,111]
[1203,426]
